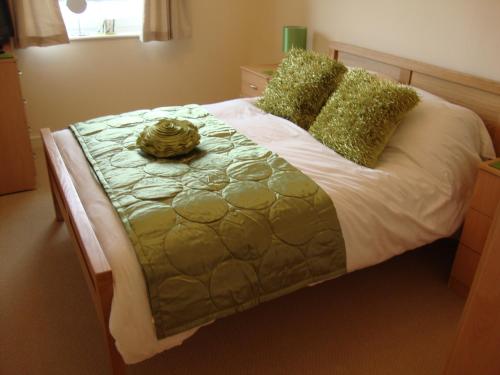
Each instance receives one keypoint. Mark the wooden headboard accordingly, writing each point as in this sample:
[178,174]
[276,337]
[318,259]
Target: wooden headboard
[478,94]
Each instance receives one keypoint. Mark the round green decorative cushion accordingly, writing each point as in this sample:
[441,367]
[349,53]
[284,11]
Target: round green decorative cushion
[168,138]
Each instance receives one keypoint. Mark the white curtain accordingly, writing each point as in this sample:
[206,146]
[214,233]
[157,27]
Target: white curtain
[38,23]
[165,20]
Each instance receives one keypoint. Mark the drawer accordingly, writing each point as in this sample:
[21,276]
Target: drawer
[251,84]
[486,193]
[476,229]
[465,264]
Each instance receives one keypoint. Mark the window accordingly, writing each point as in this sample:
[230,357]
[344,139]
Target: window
[103,18]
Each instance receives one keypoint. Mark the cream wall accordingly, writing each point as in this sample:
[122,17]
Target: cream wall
[275,14]
[459,34]
[85,79]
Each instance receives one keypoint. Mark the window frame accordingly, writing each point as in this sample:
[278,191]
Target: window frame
[89,35]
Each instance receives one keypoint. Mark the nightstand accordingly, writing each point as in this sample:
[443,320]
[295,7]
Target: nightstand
[477,224]
[254,79]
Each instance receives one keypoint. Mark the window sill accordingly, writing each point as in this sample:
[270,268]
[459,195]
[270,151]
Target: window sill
[103,37]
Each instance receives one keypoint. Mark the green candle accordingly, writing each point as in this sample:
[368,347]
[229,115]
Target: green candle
[294,36]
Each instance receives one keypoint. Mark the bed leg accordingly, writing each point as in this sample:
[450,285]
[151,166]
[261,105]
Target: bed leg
[105,286]
[57,207]
[118,367]
[53,190]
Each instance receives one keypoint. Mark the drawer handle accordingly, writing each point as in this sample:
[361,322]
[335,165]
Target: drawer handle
[253,87]
[19,73]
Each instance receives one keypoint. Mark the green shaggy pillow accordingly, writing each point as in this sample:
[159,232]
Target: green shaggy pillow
[301,86]
[360,117]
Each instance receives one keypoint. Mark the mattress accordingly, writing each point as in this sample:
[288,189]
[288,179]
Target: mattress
[383,212]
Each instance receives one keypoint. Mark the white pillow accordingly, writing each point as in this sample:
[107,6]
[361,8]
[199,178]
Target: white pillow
[445,139]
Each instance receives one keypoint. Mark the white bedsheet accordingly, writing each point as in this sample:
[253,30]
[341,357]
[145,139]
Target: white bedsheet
[383,212]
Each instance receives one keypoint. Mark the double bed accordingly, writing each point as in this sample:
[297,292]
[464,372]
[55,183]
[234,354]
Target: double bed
[413,197]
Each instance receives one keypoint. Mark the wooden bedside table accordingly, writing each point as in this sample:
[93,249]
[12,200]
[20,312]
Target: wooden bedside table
[476,227]
[254,79]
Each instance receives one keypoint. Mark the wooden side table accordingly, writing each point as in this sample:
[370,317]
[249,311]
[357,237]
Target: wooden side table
[477,225]
[254,79]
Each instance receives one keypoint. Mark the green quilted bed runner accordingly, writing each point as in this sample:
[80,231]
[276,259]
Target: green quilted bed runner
[218,230]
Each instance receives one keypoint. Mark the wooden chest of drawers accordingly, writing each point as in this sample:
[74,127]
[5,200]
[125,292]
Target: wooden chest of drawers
[477,225]
[254,79]
[17,168]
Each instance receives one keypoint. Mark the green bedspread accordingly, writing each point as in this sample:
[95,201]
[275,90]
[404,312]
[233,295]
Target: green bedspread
[216,231]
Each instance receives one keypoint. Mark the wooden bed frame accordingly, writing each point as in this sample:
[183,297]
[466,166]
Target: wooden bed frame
[479,94]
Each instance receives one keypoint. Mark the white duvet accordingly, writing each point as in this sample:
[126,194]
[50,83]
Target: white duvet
[417,194]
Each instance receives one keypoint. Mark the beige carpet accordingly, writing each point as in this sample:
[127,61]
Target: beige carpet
[395,318]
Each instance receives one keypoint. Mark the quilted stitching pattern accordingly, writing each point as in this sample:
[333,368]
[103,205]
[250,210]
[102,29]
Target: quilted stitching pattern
[218,230]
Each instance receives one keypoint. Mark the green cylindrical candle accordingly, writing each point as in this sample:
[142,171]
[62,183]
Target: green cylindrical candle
[294,36]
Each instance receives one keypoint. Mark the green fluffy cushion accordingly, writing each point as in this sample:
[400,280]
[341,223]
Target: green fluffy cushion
[360,117]
[301,86]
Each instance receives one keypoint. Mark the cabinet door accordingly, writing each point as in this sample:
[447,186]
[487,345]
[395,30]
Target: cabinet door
[17,169]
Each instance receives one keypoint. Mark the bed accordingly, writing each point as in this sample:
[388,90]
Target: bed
[113,274]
